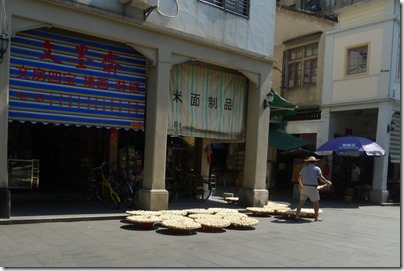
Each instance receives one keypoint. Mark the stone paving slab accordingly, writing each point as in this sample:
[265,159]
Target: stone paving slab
[350,236]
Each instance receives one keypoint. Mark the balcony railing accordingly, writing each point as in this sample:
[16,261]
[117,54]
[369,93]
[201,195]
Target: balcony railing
[321,7]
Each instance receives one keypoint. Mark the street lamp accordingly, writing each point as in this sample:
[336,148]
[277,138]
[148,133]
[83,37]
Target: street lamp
[269,100]
[391,126]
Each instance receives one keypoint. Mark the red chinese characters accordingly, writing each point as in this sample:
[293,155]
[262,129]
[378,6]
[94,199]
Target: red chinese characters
[70,72]
[48,53]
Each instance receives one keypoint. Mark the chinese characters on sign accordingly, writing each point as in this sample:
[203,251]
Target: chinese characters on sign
[100,85]
[348,145]
[206,103]
[52,76]
[195,100]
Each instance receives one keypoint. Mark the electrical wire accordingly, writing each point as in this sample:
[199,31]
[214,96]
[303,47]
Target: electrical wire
[165,15]
[4,22]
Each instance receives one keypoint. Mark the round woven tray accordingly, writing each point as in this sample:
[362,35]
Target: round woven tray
[144,225]
[239,227]
[205,228]
[260,214]
[176,231]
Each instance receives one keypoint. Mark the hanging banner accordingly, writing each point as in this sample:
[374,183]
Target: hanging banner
[61,78]
[207,103]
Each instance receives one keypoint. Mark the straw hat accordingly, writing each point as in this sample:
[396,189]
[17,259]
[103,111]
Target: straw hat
[312,159]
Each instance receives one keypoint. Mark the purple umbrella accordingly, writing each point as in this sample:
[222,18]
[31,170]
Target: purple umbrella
[350,146]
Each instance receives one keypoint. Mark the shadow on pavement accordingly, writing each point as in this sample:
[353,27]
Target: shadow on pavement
[51,203]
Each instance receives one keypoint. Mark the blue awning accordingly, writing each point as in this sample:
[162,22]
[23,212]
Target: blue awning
[59,77]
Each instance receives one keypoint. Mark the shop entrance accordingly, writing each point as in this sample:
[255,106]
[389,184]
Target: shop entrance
[342,169]
[66,153]
[225,160]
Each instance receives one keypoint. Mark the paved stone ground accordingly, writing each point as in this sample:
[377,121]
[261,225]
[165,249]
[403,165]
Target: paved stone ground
[350,236]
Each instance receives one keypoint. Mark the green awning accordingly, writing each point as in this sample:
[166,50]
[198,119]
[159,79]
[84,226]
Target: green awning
[281,140]
[281,107]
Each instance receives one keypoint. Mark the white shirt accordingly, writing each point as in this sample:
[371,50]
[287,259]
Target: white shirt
[309,174]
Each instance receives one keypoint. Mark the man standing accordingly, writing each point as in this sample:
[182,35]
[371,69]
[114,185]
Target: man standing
[308,184]
[355,174]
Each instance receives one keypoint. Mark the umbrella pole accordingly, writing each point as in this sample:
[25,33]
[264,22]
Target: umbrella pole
[349,191]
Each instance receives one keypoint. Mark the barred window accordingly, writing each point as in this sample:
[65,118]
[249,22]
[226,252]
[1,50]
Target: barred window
[239,7]
[302,65]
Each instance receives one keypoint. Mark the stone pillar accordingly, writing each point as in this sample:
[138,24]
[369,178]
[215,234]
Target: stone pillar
[379,193]
[153,195]
[254,192]
[5,197]
[204,161]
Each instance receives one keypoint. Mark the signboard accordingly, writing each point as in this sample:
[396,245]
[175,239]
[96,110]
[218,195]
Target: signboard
[206,103]
[61,78]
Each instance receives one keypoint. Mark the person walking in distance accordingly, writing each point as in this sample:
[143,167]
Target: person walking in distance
[308,184]
[355,174]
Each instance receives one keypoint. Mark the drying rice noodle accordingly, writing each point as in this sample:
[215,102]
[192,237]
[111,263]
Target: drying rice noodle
[143,219]
[173,216]
[245,222]
[213,222]
[174,212]
[143,212]
[198,211]
[195,216]
[180,224]
[215,210]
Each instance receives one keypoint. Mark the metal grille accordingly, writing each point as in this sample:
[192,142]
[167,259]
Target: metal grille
[304,116]
[325,7]
[240,7]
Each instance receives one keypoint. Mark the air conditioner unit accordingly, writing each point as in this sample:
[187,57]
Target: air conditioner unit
[141,4]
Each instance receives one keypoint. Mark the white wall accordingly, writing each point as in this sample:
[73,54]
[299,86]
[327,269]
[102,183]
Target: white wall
[362,126]
[372,24]
[395,91]
[357,87]
[364,13]
[255,34]
[111,5]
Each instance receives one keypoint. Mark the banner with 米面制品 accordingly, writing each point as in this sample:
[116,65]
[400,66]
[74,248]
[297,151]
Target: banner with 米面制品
[207,103]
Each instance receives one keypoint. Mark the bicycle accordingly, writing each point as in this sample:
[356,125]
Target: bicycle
[126,191]
[107,189]
[188,184]
[129,187]
[89,185]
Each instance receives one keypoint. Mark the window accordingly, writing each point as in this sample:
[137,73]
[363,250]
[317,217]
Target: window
[302,65]
[310,71]
[357,60]
[239,7]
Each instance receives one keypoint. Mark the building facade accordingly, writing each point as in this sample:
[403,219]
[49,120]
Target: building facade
[361,94]
[344,74]
[298,77]
[101,70]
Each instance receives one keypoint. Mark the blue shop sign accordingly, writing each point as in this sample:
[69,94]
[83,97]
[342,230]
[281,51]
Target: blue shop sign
[61,78]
